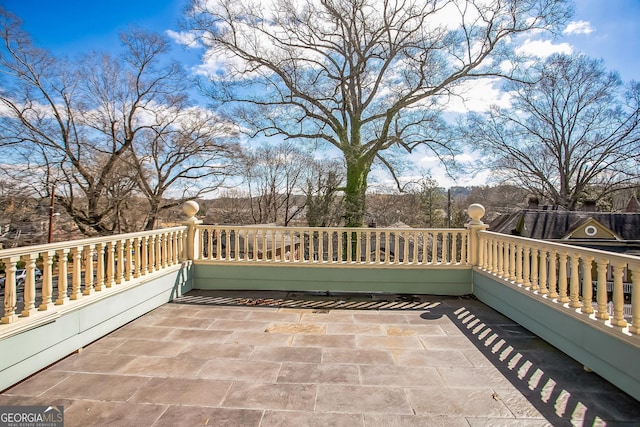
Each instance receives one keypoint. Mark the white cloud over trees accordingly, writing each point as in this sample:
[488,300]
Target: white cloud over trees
[578,27]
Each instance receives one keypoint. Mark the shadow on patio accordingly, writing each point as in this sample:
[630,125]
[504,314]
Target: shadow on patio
[556,386]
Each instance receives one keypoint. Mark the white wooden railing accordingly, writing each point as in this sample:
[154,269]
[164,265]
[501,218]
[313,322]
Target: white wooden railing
[333,246]
[81,269]
[598,284]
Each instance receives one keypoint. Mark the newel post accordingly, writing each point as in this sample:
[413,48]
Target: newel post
[192,248]
[476,212]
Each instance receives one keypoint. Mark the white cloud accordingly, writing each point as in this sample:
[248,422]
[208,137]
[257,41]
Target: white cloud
[578,27]
[184,38]
[381,180]
[439,173]
[477,95]
[543,48]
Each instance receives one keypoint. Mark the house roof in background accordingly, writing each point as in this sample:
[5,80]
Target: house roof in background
[633,205]
[556,224]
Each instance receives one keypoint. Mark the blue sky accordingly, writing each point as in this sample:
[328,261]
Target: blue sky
[615,36]
[68,27]
[72,26]
[607,29]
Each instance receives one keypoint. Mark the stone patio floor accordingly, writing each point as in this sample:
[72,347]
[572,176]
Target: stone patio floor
[285,359]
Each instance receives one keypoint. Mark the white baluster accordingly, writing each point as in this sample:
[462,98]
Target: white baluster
[519,263]
[635,298]
[119,262]
[601,292]
[10,291]
[88,270]
[29,286]
[47,281]
[494,256]
[562,277]
[618,295]
[542,277]
[62,255]
[100,267]
[534,268]
[553,274]
[144,256]
[503,265]
[111,259]
[587,285]
[76,278]
[574,284]
[434,247]
[165,250]
[512,261]
[136,257]
[445,249]
[158,246]
[454,247]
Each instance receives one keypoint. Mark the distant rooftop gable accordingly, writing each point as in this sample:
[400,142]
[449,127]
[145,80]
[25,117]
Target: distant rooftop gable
[561,225]
[633,205]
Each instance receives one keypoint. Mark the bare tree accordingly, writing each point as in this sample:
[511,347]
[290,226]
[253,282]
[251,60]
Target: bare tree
[275,177]
[230,207]
[41,102]
[186,156]
[105,131]
[417,205]
[365,76]
[573,133]
[324,208]
[498,199]
[388,208]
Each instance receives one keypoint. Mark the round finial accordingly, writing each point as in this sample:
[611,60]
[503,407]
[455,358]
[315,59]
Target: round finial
[191,208]
[475,212]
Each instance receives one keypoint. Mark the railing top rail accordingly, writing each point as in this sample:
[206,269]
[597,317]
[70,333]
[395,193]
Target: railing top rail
[306,228]
[5,253]
[596,253]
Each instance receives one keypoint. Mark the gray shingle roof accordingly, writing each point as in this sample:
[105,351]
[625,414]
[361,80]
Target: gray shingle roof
[556,224]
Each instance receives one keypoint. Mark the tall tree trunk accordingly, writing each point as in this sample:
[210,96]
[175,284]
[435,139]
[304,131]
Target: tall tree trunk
[355,191]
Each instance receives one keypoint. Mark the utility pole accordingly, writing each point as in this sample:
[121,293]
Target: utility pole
[51,210]
[449,236]
[448,207]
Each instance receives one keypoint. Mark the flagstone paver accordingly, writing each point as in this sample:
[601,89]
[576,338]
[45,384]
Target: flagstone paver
[239,359]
